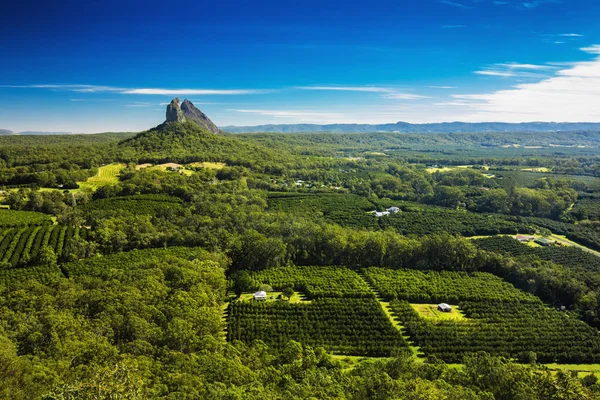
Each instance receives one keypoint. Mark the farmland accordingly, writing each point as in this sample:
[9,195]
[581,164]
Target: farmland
[315,282]
[350,326]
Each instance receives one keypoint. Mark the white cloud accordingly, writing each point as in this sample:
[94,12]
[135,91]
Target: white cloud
[453,26]
[369,89]
[141,91]
[537,3]
[509,70]
[504,74]
[572,35]
[571,94]
[455,4]
[403,96]
[386,92]
[594,49]
[441,87]
[192,92]
[524,66]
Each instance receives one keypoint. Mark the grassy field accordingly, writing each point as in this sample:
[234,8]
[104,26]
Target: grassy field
[209,165]
[107,175]
[430,312]
[296,297]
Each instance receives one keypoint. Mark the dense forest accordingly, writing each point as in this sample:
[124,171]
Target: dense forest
[128,264]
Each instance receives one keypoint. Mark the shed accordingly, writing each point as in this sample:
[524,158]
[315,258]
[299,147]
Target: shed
[524,238]
[260,296]
[544,242]
[443,307]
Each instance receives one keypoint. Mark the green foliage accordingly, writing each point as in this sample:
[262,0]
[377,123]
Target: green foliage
[10,218]
[346,326]
[505,328]
[315,282]
[443,287]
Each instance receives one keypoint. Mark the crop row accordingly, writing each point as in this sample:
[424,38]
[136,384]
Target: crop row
[444,286]
[12,218]
[346,326]
[509,329]
[21,246]
[584,264]
[315,282]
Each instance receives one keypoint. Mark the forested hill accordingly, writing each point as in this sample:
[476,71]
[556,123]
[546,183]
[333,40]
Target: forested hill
[187,142]
[405,127]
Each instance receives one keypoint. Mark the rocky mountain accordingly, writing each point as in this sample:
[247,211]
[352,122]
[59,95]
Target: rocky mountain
[187,111]
[191,113]
[6,132]
[405,127]
[188,135]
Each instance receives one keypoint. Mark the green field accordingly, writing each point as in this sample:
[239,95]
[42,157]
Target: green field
[431,312]
[107,175]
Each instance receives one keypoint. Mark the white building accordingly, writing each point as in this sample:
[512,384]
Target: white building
[260,296]
[443,307]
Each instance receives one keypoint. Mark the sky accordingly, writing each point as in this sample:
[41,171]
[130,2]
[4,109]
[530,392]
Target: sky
[96,66]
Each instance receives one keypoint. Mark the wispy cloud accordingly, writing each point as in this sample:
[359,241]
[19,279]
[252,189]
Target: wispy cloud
[538,3]
[70,88]
[403,96]
[594,49]
[191,92]
[456,4]
[368,89]
[295,114]
[441,87]
[571,94]
[453,26]
[511,70]
[385,92]
[140,104]
[560,38]
[140,91]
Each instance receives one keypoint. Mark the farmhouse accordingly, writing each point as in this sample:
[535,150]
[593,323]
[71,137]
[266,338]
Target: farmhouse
[524,238]
[260,296]
[381,214]
[443,307]
[544,242]
[393,210]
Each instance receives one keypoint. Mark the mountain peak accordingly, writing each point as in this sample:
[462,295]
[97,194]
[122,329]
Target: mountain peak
[192,113]
[187,111]
[174,113]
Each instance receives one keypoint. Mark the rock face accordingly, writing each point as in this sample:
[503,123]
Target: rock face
[191,113]
[174,113]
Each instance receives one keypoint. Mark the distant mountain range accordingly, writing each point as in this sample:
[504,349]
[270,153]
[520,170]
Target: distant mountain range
[5,132]
[405,127]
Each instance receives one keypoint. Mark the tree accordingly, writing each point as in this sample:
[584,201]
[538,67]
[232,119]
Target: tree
[288,292]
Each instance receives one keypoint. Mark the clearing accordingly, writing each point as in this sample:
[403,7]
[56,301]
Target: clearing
[430,312]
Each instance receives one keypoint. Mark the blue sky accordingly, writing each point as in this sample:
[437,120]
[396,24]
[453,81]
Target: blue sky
[94,66]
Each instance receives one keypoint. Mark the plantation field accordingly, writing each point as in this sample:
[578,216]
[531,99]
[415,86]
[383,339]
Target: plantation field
[511,329]
[21,246]
[19,218]
[316,282]
[586,264]
[443,287]
[349,326]
[107,175]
